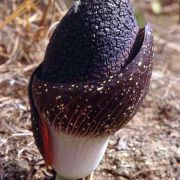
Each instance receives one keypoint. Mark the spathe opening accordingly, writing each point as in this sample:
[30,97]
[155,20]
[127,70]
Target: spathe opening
[137,45]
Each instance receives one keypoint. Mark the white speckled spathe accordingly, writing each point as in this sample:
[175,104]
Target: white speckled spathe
[76,157]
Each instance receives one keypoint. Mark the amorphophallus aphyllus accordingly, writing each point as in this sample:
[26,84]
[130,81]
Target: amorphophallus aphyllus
[93,79]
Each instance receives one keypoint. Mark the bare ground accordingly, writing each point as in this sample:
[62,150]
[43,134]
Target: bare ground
[147,148]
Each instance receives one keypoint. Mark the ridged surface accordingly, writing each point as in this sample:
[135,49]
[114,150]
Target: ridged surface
[95,42]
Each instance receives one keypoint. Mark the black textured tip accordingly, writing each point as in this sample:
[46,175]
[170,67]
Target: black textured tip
[92,43]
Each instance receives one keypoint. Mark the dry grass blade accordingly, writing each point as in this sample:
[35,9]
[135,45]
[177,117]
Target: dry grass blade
[26,6]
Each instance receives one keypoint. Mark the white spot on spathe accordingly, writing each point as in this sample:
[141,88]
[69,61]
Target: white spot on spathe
[99,88]
[140,63]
